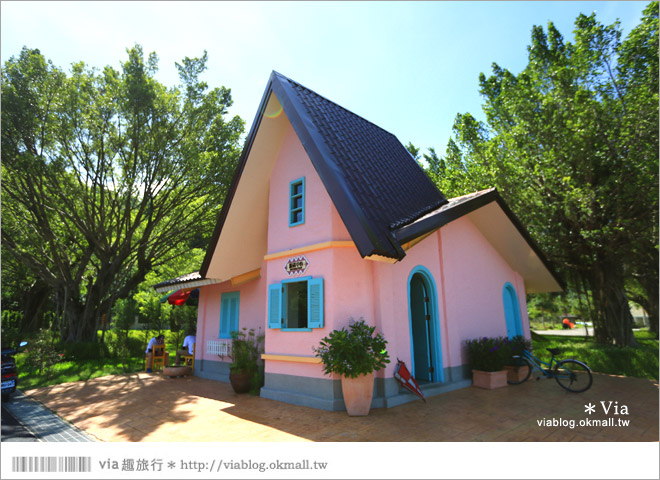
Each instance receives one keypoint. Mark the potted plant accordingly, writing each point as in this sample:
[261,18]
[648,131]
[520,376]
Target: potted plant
[487,357]
[246,350]
[355,354]
[517,345]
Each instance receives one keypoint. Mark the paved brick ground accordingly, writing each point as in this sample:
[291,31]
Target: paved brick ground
[153,408]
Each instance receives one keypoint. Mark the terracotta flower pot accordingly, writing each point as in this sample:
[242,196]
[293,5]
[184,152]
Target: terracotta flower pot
[489,380]
[174,371]
[240,381]
[514,375]
[358,393]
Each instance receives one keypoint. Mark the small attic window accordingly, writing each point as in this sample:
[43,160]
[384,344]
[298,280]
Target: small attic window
[297,202]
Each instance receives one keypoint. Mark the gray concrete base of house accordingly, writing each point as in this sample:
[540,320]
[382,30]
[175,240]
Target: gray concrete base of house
[213,370]
[326,394]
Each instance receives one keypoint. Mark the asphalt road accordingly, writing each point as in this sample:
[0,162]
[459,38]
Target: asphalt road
[13,430]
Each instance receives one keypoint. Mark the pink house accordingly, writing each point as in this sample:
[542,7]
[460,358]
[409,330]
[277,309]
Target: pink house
[329,218]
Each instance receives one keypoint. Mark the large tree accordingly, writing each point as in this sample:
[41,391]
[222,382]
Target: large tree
[106,174]
[572,143]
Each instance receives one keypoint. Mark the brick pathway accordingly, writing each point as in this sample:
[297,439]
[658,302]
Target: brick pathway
[153,408]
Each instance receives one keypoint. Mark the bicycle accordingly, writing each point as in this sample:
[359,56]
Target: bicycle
[572,375]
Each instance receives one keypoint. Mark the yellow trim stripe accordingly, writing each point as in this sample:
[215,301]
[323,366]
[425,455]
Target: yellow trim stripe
[311,248]
[245,277]
[290,358]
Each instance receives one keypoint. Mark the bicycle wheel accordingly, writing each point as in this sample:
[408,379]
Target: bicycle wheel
[573,376]
[522,370]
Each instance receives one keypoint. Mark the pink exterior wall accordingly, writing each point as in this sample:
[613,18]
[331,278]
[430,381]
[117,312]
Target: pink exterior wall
[252,304]
[469,276]
[391,282]
[340,305]
[322,222]
[468,273]
[474,278]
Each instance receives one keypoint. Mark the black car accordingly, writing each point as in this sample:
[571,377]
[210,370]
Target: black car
[9,373]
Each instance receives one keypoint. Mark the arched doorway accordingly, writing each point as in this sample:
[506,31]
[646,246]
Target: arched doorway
[424,327]
[511,311]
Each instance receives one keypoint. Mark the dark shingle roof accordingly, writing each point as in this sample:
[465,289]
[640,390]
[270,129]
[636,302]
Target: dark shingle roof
[383,196]
[372,179]
[386,181]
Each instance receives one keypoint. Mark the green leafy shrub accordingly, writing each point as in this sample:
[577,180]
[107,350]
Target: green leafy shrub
[84,351]
[11,321]
[41,353]
[246,349]
[489,354]
[122,344]
[353,352]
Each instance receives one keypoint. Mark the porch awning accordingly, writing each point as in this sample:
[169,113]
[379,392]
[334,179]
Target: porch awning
[188,281]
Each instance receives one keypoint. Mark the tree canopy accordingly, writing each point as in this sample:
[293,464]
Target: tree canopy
[107,175]
[571,142]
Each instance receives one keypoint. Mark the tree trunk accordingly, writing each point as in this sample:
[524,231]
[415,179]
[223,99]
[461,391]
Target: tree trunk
[649,302]
[81,322]
[34,302]
[650,286]
[613,321]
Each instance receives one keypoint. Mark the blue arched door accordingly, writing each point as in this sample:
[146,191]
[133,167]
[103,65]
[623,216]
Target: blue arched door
[511,311]
[424,328]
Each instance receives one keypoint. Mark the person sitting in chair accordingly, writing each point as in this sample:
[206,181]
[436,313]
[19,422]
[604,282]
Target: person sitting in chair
[188,347]
[159,340]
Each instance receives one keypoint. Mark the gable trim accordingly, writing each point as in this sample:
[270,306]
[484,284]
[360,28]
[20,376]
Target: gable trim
[311,248]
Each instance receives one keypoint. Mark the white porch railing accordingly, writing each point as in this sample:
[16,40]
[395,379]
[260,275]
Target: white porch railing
[218,347]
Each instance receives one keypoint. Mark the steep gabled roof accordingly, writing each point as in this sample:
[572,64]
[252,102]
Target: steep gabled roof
[383,196]
[371,178]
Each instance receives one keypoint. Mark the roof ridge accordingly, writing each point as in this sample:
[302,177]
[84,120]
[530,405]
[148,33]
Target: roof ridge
[290,80]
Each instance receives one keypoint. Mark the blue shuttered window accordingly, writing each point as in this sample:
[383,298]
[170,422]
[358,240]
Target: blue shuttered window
[315,303]
[297,202]
[275,305]
[229,306]
[296,304]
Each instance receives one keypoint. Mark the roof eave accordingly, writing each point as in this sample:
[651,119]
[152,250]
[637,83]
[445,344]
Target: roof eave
[187,284]
[433,222]
[421,227]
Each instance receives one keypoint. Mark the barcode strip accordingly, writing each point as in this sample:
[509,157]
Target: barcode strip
[51,464]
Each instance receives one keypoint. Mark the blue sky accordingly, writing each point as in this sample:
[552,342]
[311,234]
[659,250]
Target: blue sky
[409,67]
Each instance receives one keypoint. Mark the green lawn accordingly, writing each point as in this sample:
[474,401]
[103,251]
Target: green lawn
[75,371]
[86,363]
[641,361]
